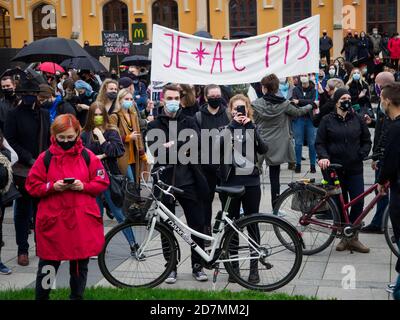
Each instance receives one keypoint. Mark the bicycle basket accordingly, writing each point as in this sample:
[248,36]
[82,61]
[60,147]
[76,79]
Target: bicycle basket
[137,202]
[305,201]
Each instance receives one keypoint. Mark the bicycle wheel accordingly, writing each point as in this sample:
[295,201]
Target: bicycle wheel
[121,264]
[316,238]
[389,235]
[266,264]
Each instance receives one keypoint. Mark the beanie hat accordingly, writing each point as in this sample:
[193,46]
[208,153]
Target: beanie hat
[340,93]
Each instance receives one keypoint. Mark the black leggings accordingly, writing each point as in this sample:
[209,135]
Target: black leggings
[274,178]
[78,271]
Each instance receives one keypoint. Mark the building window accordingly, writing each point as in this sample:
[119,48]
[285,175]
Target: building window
[165,13]
[243,17]
[44,22]
[295,11]
[5,31]
[115,16]
[382,14]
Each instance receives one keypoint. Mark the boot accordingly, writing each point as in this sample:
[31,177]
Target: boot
[357,246]
[342,246]
[254,276]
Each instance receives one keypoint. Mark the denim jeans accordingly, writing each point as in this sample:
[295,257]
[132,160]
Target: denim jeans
[23,212]
[381,205]
[117,213]
[301,127]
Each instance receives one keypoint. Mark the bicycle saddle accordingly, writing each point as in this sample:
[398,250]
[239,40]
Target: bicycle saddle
[233,192]
[336,166]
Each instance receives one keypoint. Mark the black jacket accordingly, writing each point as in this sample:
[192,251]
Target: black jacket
[325,44]
[191,110]
[305,96]
[344,141]
[243,170]
[82,99]
[113,148]
[391,159]
[5,106]
[324,110]
[27,130]
[382,126]
[206,120]
[178,174]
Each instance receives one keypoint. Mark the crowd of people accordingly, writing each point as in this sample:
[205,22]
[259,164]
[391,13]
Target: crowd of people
[63,138]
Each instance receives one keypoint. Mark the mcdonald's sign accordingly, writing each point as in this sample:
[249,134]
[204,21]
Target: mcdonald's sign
[139,32]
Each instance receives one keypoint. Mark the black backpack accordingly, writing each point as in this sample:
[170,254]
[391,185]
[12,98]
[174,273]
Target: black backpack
[49,155]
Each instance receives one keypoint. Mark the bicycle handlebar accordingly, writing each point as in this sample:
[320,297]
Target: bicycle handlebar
[165,186]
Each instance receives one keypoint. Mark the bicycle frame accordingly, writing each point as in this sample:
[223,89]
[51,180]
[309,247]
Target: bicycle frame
[177,225]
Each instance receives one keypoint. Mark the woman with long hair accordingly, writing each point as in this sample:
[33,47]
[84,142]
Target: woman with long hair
[126,119]
[189,103]
[67,178]
[108,95]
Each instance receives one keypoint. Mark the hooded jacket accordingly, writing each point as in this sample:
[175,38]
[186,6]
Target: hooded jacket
[68,224]
[273,116]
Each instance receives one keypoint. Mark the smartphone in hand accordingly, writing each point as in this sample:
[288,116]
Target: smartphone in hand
[69,180]
[241,110]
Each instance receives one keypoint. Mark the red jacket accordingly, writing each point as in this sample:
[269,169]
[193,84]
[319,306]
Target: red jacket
[394,48]
[69,225]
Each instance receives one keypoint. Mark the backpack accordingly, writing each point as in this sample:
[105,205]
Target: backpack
[49,155]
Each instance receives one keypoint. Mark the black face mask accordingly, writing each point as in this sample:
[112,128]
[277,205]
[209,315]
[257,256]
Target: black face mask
[214,102]
[324,34]
[112,95]
[66,145]
[345,105]
[8,94]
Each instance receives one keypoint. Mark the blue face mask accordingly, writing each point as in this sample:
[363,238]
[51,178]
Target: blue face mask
[127,104]
[172,106]
[356,77]
[29,99]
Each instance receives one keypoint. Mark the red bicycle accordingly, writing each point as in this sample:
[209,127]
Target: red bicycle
[312,209]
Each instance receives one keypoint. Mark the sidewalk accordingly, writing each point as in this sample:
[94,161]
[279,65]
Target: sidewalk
[321,275]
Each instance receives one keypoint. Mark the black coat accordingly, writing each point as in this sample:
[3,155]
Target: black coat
[27,130]
[191,110]
[178,174]
[113,148]
[382,126]
[325,44]
[324,110]
[364,48]
[305,96]
[345,141]
[5,106]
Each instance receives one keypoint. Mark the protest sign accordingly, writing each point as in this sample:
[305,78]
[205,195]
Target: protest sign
[181,58]
[116,43]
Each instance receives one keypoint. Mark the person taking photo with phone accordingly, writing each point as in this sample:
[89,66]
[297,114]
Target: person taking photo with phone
[67,178]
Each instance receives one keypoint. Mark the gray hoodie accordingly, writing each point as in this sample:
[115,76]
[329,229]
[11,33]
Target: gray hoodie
[273,116]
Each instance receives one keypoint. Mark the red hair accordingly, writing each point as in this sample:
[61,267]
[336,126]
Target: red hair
[65,122]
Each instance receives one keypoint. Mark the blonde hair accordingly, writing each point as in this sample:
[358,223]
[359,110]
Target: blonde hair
[102,97]
[242,97]
[121,95]
[362,79]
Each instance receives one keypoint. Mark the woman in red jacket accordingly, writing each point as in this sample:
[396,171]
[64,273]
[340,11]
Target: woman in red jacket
[394,48]
[67,178]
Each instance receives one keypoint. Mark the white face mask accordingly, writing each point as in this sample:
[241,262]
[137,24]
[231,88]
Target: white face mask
[304,80]
[332,72]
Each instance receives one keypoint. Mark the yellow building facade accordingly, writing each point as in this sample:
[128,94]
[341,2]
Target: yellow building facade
[84,20]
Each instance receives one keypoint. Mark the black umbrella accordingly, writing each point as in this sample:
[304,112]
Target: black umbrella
[50,49]
[203,34]
[141,61]
[84,63]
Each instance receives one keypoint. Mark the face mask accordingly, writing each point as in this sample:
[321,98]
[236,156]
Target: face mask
[375,32]
[112,95]
[304,80]
[98,121]
[9,93]
[127,104]
[66,145]
[345,105]
[214,102]
[29,100]
[69,96]
[282,81]
[332,72]
[356,77]
[172,106]
[324,34]
[337,64]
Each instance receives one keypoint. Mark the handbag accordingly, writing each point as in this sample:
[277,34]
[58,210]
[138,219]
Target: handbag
[117,185]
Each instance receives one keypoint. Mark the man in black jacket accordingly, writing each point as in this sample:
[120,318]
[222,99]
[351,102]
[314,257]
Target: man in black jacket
[27,129]
[212,115]
[182,176]
[390,170]
[9,99]
[382,125]
[325,46]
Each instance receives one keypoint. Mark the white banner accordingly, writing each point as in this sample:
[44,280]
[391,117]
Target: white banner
[182,58]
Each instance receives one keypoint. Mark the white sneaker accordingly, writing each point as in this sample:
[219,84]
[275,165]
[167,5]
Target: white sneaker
[171,278]
[94,258]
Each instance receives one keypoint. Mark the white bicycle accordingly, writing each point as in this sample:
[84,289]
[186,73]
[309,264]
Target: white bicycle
[259,243]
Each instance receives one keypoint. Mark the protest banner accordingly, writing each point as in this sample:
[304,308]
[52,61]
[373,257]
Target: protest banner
[182,58]
[116,43]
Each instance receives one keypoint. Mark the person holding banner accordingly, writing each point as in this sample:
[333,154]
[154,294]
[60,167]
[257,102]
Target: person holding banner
[303,95]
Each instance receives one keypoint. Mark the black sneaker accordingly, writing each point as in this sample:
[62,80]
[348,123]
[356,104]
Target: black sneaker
[297,169]
[254,277]
[313,169]
[372,229]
